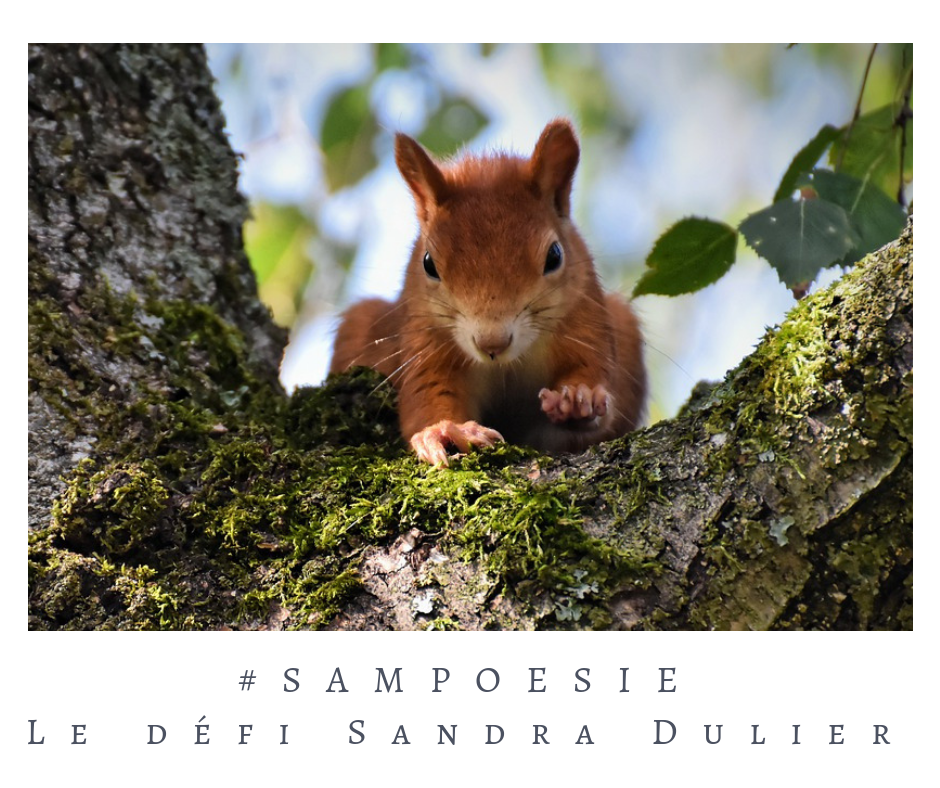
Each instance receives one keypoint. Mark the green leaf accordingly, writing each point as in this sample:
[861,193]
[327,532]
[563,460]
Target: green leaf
[800,238]
[346,137]
[455,122]
[805,160]
[691,254]
[871,149]
[876,218]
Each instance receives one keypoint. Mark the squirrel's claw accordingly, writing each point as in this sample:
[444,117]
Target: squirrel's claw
[581,402]
[431,442]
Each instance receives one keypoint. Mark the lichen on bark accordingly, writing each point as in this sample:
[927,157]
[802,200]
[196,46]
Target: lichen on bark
[195,494]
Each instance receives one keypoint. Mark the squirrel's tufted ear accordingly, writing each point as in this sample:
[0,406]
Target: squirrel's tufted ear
[422,175]
[553,163]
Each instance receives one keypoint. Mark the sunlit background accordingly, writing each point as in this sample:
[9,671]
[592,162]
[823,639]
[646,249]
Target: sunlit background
[666,132]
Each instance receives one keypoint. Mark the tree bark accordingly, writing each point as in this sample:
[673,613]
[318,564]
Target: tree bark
[172,484]
[132,187]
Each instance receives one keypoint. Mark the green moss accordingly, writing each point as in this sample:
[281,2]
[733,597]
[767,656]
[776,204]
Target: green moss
[232,502]
[117,509]
[235,506]
[825,372]
[440,625]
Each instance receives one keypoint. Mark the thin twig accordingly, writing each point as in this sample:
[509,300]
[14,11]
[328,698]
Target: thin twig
[904,115]
[858,106]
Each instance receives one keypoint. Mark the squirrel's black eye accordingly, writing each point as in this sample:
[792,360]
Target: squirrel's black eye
[429,268]
[553,258]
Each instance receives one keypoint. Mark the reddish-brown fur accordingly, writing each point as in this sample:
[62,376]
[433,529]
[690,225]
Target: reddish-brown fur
[498,343]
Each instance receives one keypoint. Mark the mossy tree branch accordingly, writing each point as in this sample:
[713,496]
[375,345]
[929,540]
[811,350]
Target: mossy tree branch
[174,485]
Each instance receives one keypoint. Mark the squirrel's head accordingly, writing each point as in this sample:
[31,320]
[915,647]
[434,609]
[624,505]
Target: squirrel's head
[498,258]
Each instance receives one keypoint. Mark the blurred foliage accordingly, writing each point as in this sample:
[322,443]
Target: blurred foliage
[347,137]
[351,125]
[819,217]
[277,241]
[574,70]
[454,122]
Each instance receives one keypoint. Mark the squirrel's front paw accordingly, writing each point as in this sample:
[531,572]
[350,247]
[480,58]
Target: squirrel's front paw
[574,403]
[429,444]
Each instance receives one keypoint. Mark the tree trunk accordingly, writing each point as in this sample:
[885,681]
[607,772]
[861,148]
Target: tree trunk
[172,484]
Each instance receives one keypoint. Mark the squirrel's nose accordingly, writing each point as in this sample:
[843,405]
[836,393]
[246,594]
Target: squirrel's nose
[493,343]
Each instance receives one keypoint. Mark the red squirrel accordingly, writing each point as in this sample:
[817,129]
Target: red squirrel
[502,330]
